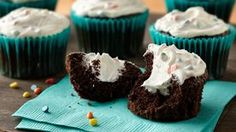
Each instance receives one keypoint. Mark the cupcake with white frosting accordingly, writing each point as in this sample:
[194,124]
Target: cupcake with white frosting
[99,77]
[171,87]
[197,31]
[220,8]
[7,6]
[112,26]
[33,43]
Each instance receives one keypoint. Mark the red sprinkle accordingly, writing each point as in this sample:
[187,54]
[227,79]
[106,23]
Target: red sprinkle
[37,91]
[50,81]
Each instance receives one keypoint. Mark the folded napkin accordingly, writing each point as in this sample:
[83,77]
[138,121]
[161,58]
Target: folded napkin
[67,112]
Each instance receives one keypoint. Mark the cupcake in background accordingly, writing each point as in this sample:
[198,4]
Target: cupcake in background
[115,27]
[197,31]
[220,8]
[33,43]
[7,6]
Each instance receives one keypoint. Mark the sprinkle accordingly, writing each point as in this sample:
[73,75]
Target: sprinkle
[93,122]
[172,68]
[26,95]
[45,109]
[90,115]
[14,85]
[50,81]
[33,87]
[164,57]
[37,91]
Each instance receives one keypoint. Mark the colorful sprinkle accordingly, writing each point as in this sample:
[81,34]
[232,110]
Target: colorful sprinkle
[93,122]
[45,109]
[172,68]
[33,87]
[50,81]
[37,91]
[90,115]
[14,85]
[26,95]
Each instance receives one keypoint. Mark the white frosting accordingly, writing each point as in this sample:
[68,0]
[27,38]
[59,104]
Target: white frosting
[22,1]
[109,68]
[193,22]
[108,8]
[30,22]
[169,61]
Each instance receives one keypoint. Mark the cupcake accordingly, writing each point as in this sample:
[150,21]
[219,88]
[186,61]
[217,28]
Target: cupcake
[197,31]
[7,6]
[171,88]
[220,8]
[33,43]
[112,26]
[99,77]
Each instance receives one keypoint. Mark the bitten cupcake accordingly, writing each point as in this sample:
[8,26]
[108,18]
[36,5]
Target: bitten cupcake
[171,88]
[7,6]
[112,26]
[100,77]
[33,43]
[197,31]
[220,8]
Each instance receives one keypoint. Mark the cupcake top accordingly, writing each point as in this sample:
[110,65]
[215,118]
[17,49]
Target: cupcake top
[106,68]
[30,22]
[21,1]
[171,62]
[194,22]
[108,8]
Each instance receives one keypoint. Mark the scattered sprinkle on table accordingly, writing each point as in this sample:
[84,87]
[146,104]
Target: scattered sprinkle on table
[50,81]
[93,122]
[90,115]
[33,87]
[37,91]
[14,85]
[26,95]
[45,109]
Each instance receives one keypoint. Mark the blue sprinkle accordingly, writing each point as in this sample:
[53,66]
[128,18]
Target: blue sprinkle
[33,87]
[45,109]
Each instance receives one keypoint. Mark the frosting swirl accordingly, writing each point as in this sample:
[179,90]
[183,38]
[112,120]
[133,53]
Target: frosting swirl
[169,61]
[194,22]
[108,8]
[30,22]
[109,68]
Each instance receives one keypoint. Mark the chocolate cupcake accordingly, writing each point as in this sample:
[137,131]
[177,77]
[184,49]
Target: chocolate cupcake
[197,31]
[171,88]
[7,6]
[220,8]
[100,77]
[33,43]
[111,26]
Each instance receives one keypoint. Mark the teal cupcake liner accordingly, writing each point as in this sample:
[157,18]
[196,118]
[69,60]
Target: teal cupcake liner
[220,8]
[6,6]
[213,50]
[121,37]
[31,57]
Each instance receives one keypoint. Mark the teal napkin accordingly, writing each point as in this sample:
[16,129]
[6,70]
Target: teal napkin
[67,112]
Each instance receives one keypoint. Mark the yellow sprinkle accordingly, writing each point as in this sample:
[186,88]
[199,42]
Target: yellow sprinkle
[26,95]
[14,85]
[93,122]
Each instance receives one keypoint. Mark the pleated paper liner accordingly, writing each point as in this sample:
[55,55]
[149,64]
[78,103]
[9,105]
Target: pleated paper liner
[220,8]
[117,36]
[213,50]
[33,57]
[6,6]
